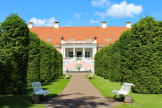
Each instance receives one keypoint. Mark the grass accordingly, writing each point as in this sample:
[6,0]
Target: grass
[18,101]
[139,100]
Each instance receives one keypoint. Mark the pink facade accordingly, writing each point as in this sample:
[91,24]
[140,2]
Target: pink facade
[72,65]
[98,49]
[59,49]
[86,65]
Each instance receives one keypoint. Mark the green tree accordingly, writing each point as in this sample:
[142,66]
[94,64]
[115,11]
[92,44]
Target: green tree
[146,56]
[14,55]
[33,73]
[115,70]
[126,66]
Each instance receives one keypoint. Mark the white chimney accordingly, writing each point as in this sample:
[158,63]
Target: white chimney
[128,24]
[56,25]
[30,25]
[104,25]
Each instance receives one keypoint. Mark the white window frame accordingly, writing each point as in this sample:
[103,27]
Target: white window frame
[71,39]
[88,54]
[70,54]
[48,39]
[108,39]
[88,39]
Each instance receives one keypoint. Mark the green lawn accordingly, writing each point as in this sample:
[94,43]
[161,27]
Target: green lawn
[18,101]
[139,100]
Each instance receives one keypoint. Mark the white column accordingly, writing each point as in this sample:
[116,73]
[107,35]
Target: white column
[74,53]
[83,53]
[93,53]
[64,53]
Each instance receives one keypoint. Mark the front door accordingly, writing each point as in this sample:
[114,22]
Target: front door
[79,54]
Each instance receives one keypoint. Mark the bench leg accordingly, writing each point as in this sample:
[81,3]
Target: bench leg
[122,97]
[35,99]
[114,96]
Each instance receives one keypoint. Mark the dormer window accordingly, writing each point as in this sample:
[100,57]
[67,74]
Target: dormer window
[71,39]
[88,39]
[48,39]
[108,39]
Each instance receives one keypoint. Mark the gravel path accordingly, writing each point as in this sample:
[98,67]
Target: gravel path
[80,93]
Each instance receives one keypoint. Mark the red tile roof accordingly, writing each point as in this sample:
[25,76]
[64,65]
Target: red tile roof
[79,33]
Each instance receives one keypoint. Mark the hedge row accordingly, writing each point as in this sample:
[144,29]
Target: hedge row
[135,58]
[24,58]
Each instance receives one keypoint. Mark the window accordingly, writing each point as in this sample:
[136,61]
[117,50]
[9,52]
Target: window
[87,53]
[70,54]
[87,39]
[48,39]
[108,39]
[71,39]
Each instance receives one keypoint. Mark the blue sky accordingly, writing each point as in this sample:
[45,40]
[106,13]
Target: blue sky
[81,12]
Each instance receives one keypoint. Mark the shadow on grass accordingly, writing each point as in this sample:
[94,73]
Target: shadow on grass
[18,101]
[78,100]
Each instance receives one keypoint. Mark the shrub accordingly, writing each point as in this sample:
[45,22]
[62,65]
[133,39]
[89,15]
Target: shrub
[59,64]
[99,61]
[126,66]
[33,72]
[45,62]
[146,56]
[114,73]
[53,61]
[14,55]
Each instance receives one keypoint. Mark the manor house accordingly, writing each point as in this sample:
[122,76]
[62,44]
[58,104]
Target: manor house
[79,45]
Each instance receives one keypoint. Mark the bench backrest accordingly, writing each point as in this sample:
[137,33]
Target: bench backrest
[92,74]
[126,87]
[65,74]
[37,87]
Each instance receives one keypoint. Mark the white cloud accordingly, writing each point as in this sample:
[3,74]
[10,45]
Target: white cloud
[44,22]
[77,15]
[101,3]
[92,21]
[101,14]
[124,10]
[121,10]
[70,21]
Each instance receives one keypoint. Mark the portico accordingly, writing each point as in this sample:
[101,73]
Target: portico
[78,52]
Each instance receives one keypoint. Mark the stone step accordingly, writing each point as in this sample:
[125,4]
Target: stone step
[78,72]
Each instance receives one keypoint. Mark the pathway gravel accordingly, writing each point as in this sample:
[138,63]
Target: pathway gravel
[80,93]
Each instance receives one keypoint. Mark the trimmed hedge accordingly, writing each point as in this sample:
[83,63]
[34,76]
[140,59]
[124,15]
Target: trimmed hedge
[53,62]
[59,71]
[45,62]
[115,71]
[14,55]
[146,56]
[33,72]
[126,66]
[135,58]
[99,61]
[106,62]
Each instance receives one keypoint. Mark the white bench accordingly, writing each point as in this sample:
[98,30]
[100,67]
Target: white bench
[124,89]
[90,76]
[38,89]
[66,76]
